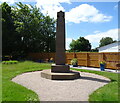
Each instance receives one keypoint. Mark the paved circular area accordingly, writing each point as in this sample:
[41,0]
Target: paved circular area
[62,90]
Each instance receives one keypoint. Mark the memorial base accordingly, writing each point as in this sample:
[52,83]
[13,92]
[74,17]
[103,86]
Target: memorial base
[60,68]
[60,76]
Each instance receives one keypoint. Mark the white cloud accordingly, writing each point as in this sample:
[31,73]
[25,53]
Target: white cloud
[13,1]
[95,38]
[8,1]
[97,31]
[81,13]
[116,6]
[29,6]
[51,6]
[86,13]
[68,41]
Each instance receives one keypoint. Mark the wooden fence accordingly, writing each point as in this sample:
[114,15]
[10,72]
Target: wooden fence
[88,59]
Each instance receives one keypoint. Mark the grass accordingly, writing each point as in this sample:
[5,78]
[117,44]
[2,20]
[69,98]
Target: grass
[108,92]
[10,62]
[0,82]
[15,92]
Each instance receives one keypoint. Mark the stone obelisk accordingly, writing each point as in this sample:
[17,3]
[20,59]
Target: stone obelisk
[59,70]
[60,39]
[60,58]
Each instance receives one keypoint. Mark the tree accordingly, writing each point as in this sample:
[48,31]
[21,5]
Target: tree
[73,45]
[26,29]
[94,50]
[49,34]
[9,36]
[37,30]
[106,41]
[80,44]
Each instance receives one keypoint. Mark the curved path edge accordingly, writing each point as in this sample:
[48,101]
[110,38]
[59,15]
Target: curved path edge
[62,90]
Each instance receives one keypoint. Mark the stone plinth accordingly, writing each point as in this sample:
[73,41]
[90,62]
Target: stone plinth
[60,76]
[60,68]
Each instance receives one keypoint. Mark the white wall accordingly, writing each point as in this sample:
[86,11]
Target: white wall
[110,48]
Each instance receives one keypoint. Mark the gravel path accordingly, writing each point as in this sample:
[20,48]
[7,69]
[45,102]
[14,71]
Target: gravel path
[62,90]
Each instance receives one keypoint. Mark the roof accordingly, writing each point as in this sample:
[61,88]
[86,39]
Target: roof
[109,45]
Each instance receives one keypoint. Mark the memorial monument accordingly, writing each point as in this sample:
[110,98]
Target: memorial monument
[60,70]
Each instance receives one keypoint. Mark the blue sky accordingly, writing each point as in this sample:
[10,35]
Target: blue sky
[92,20]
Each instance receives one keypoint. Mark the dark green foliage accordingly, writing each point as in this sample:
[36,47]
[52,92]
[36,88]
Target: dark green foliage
[37,31]
[9,37]
[26,29]
[94,50]
[106,41]
[80,44]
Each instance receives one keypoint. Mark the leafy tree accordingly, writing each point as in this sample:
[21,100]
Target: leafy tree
[36,29]
[26,29]
[94,50]
[9,36]
[80,44]
[106,41]
[74,45]
[49,34]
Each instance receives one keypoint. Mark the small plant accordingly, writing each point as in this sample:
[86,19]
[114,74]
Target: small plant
[74,62]
[102,62]
[51,60]
[102,65]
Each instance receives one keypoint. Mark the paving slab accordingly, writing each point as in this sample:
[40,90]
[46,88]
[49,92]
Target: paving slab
[96,69]
[61,90]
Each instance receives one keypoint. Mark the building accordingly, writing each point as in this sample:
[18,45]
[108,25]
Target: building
[113,47]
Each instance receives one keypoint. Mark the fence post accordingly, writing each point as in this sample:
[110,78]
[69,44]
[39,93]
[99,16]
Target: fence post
[103,57]
[74,55]
[87,60]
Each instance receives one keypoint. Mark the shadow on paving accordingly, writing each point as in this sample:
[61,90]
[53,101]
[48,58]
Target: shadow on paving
[94,79]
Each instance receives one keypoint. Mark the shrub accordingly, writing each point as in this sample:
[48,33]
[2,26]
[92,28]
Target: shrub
[74,61]
[10,62]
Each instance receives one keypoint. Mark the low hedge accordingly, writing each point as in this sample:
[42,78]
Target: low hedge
[10,62]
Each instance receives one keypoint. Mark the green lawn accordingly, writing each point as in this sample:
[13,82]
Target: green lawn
[15,92]
[0,82]
[108,92]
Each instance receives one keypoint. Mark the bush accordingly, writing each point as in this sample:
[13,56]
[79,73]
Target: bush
[74,61]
